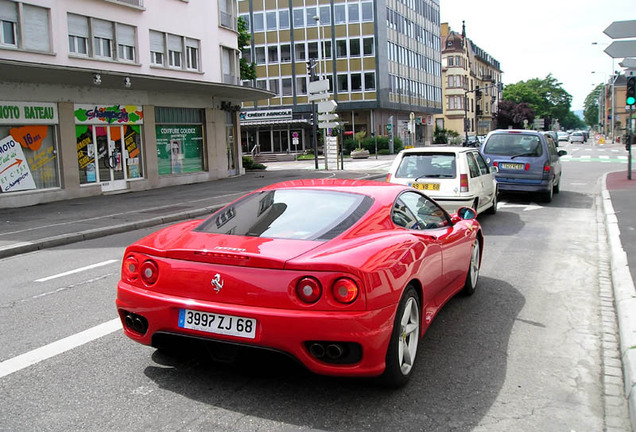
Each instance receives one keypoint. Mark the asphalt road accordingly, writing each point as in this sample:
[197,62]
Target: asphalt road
[525,353]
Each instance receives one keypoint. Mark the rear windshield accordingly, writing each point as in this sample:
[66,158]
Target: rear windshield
[427,165]
[291,214]
[514,145]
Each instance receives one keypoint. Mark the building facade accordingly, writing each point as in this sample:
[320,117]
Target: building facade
[471,85]
[104,96]
[382,59]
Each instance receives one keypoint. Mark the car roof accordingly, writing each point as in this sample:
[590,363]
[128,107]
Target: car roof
[514,131]
[438,149]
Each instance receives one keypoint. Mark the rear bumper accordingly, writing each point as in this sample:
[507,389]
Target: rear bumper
[277,329]
[520,185]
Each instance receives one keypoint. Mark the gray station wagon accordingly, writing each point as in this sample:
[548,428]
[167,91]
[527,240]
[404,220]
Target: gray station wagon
[526,161]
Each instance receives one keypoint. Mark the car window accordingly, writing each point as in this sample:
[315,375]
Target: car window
[472,165]
[552,148]
[483,166]
[423,165]
[426,214]
[292,214]
[514,144]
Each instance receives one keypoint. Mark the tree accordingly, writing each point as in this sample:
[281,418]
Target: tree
[248,69]
[545,96]
[512,114]
[591,108]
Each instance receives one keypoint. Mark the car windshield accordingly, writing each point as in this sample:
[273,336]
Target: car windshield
[290,213]
[514,145]
[427,165]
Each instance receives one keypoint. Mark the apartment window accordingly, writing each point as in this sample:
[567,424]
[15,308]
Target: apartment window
[369,80]
[102,38]
[229,58]
[343,82]
[354,13]
[311,12]
[301,85]
[341,48]
[285,53]
[259,55]
[175,51]
[299,49]
[272,54]
[274,86]
[327,49]
[227,14]
[192,54]
[8,35]
[312,50]
[78,34]
[325,15]
[299,18]
[157,48]
[354,47]
[125,42]
[340,14]
[283,19]
[261,84]
[356,82]
[271,20]
[455,102]
[8,23]
[259,25]
[287,87]
[367,46]
[367,11]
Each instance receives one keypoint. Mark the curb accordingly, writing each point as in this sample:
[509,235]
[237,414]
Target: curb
[625,302]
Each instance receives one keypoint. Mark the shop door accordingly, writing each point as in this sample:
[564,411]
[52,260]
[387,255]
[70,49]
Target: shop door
[110,156]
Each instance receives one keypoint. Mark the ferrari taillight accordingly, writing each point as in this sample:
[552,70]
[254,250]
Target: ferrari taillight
[149,272]
[463,182]
[345,290]
[308,290]
[130,269]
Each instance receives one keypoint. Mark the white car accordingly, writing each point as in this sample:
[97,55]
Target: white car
[453,176]
[577,137]
[563,136]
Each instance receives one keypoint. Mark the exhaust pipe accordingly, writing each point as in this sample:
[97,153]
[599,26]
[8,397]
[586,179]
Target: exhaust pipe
[135,322]
[317,350]
[334,351]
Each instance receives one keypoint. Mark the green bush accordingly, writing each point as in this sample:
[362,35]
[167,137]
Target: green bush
[249,164]
[369,144]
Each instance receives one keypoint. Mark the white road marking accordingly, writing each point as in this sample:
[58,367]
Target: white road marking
[59,275]
[30,358]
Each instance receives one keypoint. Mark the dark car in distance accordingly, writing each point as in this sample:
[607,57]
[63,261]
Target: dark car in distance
[526,161]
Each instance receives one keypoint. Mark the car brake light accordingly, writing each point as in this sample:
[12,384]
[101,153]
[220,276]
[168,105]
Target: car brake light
[345,290]
[527,167]
[546,167]
[308,290]
[495,164]
[130,269]
[463,182]
[149,272]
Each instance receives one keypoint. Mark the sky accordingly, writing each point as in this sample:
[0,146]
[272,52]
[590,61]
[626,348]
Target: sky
[534,38]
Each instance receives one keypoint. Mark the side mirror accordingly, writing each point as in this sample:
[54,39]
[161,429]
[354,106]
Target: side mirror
[562,153]
[466,213]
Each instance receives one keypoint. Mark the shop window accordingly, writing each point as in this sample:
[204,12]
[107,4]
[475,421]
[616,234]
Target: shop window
[36,147]
[180,141]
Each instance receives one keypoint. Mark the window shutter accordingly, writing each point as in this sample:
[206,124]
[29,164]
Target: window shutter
[35,28]
[77,25]
[156,42]
[174,43]
[9,11]
[125,35]
[102,29]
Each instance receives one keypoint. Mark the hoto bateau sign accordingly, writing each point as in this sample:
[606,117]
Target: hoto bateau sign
[266,115]
[28,113]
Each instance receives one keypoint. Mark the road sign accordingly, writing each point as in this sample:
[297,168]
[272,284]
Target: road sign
[327,106]
[318,97]
[327,117]
[628,63]
[621,29]
[328,125]
[318,86]
[620,49]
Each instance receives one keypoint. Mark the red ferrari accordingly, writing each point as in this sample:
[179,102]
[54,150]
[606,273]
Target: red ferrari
[344,275]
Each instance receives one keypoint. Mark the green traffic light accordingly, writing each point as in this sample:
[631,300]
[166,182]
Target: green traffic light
[631,100]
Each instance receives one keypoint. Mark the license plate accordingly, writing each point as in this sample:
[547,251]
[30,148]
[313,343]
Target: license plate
[426,186]
[217,323]
[512,166]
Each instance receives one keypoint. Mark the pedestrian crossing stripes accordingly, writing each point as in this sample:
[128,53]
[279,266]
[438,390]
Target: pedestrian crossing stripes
[600,158]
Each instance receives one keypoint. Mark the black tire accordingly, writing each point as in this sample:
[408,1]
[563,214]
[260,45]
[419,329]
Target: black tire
[547,195]
[557,186]
[405,337]
[473,270]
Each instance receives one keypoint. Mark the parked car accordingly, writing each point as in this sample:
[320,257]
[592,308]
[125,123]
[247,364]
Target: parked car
[577,137]
[453,176]
[343,275]
[473,141]
[527,161]
[563,136]
[554,136]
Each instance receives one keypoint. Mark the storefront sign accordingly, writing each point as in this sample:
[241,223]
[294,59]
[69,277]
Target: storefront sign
[15,174]
[28,113]
[281,114]
[109,114]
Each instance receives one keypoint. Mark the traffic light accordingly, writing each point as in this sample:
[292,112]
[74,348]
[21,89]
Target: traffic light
[631,91]
[311,69]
